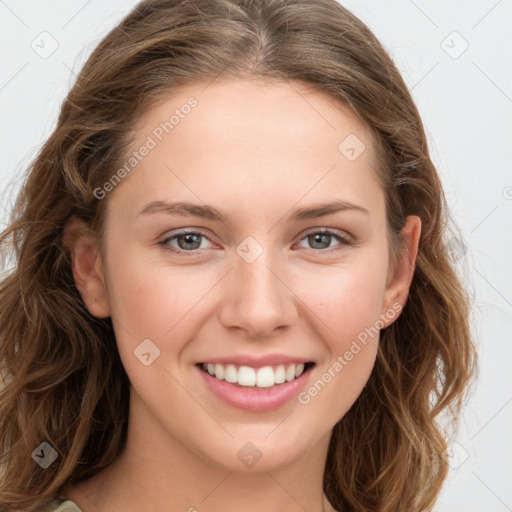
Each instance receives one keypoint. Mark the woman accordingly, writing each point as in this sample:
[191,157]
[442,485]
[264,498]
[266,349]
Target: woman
[298,354]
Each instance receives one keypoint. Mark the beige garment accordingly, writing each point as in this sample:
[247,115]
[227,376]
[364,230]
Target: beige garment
[59,505]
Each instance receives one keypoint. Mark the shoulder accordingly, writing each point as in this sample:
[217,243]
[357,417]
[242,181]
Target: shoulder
[59,505]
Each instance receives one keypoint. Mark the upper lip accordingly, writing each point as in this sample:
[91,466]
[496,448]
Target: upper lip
[257,361]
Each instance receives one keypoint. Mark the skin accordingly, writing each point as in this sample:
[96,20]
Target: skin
[258,150]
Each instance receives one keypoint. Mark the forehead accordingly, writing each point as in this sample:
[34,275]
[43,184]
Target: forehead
[243,136]
[262,108]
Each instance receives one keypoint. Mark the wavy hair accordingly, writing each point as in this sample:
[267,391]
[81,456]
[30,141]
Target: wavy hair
[63,380]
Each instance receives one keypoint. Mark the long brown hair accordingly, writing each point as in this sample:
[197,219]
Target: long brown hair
[64,382]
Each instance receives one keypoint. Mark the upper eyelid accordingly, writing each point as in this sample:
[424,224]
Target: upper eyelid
[343,235]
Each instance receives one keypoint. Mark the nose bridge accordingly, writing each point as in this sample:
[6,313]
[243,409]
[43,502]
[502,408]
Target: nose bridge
[259,300]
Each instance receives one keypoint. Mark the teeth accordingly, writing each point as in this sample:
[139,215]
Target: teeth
[219,371]
[279,375]
[264,377]
[231,374]
[246,376]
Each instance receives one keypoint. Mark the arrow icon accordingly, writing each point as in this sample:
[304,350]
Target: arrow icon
[454,45]
[247,252]
[147,352]
[44,455]
[249,455]
[351,147]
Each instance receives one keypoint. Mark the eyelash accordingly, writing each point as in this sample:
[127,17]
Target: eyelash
[345,241]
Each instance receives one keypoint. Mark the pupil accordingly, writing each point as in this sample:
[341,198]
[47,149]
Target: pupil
[188,240]
[319,235]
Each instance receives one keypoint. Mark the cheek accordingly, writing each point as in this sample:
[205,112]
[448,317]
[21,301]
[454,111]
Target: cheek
[347,303]
[346,298]
[348,306]
[151,300]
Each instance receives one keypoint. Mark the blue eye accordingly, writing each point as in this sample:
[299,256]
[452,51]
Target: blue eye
[186,240]
[316,237]
[190,241]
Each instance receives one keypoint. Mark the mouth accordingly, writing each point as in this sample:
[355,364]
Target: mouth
[256,390]
[266,377]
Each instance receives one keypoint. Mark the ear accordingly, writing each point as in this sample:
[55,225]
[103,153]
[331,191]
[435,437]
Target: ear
[401,272]
[86,266]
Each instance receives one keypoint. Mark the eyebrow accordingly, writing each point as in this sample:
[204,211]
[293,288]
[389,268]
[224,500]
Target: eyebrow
[185,209]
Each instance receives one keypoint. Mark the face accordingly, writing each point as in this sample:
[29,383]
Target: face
[260,281]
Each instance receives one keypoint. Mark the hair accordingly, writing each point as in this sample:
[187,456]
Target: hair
[63,380]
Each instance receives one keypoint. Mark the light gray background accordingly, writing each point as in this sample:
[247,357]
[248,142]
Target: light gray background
[465,99]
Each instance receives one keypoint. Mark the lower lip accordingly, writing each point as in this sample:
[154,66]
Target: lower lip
[255,400]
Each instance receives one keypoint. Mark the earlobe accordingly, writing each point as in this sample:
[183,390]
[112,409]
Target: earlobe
[400,274]
[87,267]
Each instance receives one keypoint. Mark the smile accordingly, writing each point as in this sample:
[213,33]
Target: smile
[265,377]
[255,390]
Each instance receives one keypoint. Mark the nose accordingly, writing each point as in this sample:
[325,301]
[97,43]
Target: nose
[258,299]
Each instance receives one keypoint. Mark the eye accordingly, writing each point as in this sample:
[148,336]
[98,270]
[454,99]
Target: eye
[187,241]
[191,241]
[320,240]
